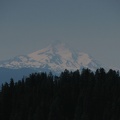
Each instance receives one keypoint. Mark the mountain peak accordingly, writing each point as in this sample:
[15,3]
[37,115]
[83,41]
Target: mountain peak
[59,45]
[56,57]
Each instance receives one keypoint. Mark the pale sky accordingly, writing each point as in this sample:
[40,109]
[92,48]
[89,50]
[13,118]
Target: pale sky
[92,26]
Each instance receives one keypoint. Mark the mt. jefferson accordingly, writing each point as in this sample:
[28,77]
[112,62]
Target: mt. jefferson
[56,58]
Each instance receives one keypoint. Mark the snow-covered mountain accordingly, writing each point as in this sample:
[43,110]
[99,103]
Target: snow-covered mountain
[57,57]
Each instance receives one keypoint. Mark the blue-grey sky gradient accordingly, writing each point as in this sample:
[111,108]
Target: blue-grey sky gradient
[93,26]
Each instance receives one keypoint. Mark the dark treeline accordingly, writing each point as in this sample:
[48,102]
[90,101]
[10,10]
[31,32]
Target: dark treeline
[70,96]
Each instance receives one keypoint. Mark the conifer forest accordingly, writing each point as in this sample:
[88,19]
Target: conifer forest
[84,95]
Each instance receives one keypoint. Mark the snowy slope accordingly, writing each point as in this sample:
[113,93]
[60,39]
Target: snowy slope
[55,57]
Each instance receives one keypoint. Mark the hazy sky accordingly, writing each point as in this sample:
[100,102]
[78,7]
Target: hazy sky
[93,26]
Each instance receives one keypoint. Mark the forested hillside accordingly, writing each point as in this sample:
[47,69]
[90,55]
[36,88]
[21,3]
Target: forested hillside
[70,96]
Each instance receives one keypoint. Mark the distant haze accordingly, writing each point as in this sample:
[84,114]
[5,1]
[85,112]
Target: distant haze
[92,26]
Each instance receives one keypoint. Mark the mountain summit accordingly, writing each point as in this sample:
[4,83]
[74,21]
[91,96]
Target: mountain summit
[55,57]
